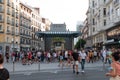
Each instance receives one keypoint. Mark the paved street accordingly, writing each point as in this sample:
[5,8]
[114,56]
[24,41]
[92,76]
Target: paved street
[60,75]
[51,71]
[45,66]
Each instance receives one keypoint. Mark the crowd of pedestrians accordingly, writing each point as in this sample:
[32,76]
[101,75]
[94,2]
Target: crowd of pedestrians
[66,58]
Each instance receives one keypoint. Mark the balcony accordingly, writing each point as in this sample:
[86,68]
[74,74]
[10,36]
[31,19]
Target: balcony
[17,8]
[9,4]
[16,15]
[17,25]
[1,10]
[2,20]
[13,14]
[13,6]
[8,12]
[1,1]
[1,31]
[13,23]
[17,33]
[117,19]
[8,22]
[108,2]
[116,3]
[8,32]
[13,32]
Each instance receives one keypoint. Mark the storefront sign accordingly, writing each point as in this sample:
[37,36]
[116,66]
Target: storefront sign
[108,41]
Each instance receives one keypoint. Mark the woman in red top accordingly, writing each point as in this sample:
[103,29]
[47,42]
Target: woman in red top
[29,57]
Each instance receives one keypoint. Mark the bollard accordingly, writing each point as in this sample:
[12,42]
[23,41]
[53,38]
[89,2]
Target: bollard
[39,66]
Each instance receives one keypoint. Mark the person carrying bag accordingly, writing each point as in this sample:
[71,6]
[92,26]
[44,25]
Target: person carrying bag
[114,70]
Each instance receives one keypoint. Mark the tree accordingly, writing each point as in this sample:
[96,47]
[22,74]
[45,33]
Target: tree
[80,44]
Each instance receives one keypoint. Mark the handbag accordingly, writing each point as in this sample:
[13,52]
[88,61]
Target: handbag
[115,78]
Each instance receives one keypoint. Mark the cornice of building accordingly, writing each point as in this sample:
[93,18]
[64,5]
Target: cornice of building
[25,5]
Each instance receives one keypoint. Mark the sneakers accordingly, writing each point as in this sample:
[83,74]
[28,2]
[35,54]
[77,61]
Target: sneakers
[83,71]
[77,73]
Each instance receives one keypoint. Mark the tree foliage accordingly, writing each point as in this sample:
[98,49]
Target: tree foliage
[80,44]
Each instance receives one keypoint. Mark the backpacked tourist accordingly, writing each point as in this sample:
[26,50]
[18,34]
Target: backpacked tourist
[114,70]
[4,74]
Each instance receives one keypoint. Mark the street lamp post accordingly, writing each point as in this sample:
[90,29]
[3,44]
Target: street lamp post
[13,44]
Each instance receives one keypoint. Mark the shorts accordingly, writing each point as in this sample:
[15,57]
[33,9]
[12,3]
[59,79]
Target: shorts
[76,62]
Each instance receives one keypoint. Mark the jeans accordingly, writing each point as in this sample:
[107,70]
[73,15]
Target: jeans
[82,64]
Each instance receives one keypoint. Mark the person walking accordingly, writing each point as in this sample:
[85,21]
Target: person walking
[83,57]
[114,70]
[4,74]
[76,59]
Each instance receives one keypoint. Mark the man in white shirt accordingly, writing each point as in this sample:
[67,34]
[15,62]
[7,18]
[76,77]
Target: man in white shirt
[83,57]
[104,53]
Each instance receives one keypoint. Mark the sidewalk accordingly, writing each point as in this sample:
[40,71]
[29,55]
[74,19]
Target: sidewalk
[46,66]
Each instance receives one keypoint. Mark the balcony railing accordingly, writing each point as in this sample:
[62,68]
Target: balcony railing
[13,23]
[17,25]
[8,32]
[17,15]
[2,20]
[108,1]
[13,14]
[8,21]
[117,19]
[17,33]
[9,4]
[116,2]
[1,10]
[8,12]
[13,32]
[13,6]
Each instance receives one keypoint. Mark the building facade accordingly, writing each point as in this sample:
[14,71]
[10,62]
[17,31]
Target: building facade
[18,24]
[9,26]
[59,42]
[25,27]
[102,15]
[36,26]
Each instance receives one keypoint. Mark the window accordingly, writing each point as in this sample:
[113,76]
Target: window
[104,1]
[12,4]
[93,3]
[93,11]
[93,29]
[93,21]
[7,39]
[7,28]
[104,22]
[0,27]
[117,12]
[1,1]
[1,8]
[0,17]
[104,11]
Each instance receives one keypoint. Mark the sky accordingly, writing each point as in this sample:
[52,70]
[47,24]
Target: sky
[59,11]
